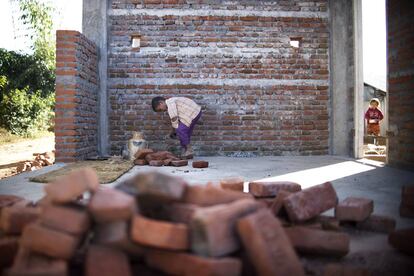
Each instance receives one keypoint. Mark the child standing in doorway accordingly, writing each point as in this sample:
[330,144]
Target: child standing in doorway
[373,117]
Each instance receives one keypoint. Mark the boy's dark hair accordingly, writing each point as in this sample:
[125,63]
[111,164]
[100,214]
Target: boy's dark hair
[156,102]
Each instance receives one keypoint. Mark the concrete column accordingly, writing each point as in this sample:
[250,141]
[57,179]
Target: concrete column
[95,27]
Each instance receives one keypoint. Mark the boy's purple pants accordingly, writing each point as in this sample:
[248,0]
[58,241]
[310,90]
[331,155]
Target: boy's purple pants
[184,132]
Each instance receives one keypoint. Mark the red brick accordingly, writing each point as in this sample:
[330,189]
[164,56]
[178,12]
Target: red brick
[377,223]
[173,263]
[116,234]
[277,203]
[213,228]
[403,240]
[314,241]
[179,163]
[103,261]
[234,184]
[29,263]
[266,189]
[140,162]
[15,218]
[161,155]
[266,201]
[155,186]
[310,202]
[166,162]
[328,223]
[68,219]
[156,163]
[108,205]
[180,212]
[160,234]
[68,188]
[140,154]
[341,270]
[267,245]
[8,250]
[8,200]
[200,164]
[354,209]
[49,242]
[209,195]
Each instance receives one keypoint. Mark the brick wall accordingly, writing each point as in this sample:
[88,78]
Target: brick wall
[258,93]
[76,97]
[400,31]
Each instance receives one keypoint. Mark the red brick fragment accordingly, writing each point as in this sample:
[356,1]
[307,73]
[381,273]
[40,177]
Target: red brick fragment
[213,228]
[266,189]
[68,219]
[277,202]
[9,200]
[377,223]
[180,212]
[8,250]
[266,201]
[103,261]
[166,162]
[313,241]
[140,162]
[328,223]
[49,242]
[156,163]
[68,188]
[179,163]
[15,218]
[341,270]
[310,202]
[267,245]
[210,195]
[173,263]
[354,209]
[200,164]
[160,234]
[140,154]
[109,205]
[29,263]
[234,184]
[403,240]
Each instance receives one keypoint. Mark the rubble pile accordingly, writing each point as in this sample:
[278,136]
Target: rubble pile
[163,158]
[156,224]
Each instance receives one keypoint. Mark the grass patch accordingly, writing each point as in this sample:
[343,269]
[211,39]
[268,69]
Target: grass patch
[8,138]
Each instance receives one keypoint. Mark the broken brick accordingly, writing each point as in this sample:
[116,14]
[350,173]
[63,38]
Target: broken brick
[8,250]
[403,240]
[341,270]
[67,188]
[213,228]
[180,212]
[108,205]
[210,195]
[9,200]
[15,218]
[156,163]
[155,186]
[313,241]
[173,263]
[179,163]
[377,223]
[200,164]
[328,223]
[310,202]
[354,209]
[141,153]
[160,234]
[70,219]
[267,245]
[29,263]
[267,189]
[49,242]
[103,261]
[277,202]
[140,162]
[166,162]
[116,234]
[234,184]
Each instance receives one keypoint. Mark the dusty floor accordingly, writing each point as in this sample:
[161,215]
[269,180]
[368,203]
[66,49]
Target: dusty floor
[350,177]
[11,154]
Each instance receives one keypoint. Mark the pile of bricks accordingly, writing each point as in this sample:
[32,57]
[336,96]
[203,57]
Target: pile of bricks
[163,158]
[155,224]
[41,160]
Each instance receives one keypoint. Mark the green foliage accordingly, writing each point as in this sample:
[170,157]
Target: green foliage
[24,114]
[38,17]
[22,70]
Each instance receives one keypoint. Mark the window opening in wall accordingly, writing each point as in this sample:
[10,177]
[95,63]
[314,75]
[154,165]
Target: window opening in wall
[374,74]
[295,42]
[136,42]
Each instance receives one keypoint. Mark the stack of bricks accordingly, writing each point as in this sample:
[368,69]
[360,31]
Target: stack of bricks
[76,106]
[157,224]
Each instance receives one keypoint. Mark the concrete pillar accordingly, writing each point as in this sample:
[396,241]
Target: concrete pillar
[95,27]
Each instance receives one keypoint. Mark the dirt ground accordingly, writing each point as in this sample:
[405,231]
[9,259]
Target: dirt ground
[12,154]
